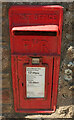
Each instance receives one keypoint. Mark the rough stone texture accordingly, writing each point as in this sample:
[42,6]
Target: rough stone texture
[6,81]
[65,109]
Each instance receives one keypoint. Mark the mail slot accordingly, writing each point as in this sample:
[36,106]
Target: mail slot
[35,40]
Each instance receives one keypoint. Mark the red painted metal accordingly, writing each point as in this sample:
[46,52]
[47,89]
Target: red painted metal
[35,32]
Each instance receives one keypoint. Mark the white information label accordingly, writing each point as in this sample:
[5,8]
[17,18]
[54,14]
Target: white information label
[35,82]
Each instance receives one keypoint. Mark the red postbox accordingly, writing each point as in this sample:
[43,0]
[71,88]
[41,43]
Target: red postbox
[35,39]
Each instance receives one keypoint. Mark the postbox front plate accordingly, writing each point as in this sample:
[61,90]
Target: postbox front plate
[35,39]
[29,104]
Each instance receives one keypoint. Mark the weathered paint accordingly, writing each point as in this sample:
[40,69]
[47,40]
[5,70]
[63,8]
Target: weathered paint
[35,32]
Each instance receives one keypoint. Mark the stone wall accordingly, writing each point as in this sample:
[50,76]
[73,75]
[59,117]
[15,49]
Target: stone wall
[64,103]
